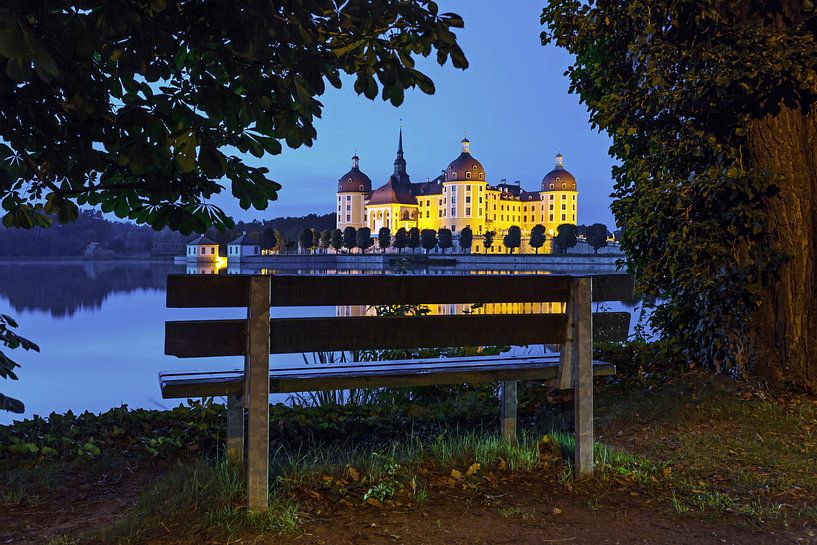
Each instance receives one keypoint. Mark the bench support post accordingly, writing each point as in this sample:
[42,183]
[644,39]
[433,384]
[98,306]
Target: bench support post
[235,431]
[256,392]
[582,357]
[564,380]
[508,401]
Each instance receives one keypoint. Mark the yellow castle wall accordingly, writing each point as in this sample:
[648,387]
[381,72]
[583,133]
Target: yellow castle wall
[350,210]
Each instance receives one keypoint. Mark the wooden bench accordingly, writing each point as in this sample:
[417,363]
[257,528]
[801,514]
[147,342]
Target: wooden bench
[258,336]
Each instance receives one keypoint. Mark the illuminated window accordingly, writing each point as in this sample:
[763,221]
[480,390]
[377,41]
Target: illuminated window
[480,175]
[467,211]
[468,175]
[564,217]
[551,186]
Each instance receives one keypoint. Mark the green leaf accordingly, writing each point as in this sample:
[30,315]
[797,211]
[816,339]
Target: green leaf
[211,161]
[12,42]
[47,67]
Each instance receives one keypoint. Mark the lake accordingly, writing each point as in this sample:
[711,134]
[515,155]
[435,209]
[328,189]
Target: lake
[100,328]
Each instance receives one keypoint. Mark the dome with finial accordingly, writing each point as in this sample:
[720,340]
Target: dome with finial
[559,179]
[355,181]
[465,167]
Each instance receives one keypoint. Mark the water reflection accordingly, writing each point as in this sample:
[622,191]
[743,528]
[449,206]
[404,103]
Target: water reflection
[63,289]
[101,328]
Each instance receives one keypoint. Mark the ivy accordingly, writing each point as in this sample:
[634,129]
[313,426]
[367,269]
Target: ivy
[676,86]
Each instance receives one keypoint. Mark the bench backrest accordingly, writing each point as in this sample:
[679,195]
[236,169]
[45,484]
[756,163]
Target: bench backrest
[200,338]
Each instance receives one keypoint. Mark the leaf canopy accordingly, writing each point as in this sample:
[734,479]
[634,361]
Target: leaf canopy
[147,109]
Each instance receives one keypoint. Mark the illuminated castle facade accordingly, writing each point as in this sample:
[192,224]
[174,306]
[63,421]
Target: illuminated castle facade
[461,196]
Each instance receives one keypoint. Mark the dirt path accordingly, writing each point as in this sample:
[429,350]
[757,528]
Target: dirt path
[528,513]
[520,510]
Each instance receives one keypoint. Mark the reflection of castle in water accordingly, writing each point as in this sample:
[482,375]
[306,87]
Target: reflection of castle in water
[450,309]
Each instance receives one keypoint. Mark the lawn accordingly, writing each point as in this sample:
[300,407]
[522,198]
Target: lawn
[712,458]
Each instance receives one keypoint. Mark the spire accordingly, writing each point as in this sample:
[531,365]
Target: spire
[400,162]
[355,161]
[559,160]
[466,145]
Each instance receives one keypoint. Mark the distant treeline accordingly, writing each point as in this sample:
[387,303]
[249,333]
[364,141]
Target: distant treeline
[125,238]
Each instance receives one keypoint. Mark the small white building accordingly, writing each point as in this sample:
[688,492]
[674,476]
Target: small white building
[202,249]
[243,246]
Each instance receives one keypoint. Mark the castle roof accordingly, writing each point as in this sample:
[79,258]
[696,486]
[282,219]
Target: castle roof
[392,192]
[559,177]
[201,241]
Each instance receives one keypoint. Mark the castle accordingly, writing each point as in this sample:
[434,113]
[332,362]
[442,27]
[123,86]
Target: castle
[461,196]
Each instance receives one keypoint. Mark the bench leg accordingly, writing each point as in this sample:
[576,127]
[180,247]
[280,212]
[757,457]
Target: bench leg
[235,431]
[508,400]
[564,379]
[256,391]
[583,375]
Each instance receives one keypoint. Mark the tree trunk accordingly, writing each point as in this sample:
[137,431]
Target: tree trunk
[783,330]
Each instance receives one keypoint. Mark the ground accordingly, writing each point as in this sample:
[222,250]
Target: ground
[693,460]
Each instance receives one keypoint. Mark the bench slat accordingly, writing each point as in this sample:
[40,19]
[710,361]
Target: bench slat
[205,338]
[396,374]
[210,291]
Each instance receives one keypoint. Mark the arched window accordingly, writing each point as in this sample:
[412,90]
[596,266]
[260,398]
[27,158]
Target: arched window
[454,175]
[361,187]
[480,175]
[468,175]
[564,185]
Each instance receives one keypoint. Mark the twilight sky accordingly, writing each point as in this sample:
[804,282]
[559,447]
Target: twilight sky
[512,102]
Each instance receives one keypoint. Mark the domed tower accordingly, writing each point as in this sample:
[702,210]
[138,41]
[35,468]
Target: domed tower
[559,195]
[464,192]
[354,188]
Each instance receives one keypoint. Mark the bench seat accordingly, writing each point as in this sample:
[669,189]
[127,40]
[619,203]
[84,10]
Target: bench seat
[376,374]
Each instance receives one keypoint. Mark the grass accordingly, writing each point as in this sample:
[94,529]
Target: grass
[209,496]
[730,452]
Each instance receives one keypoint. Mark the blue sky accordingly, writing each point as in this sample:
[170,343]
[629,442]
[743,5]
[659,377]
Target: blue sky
[512,102]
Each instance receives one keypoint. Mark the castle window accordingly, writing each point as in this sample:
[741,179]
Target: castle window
[558,179]
[348,197]
[348,218]
[564,216]
[453,212]
[468,198]
[468,175]
[551,186]
[564,185]
[551,217]
[454,175]
[474,167]
[480,212]
[361,188]
[564,206]
[467,211]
